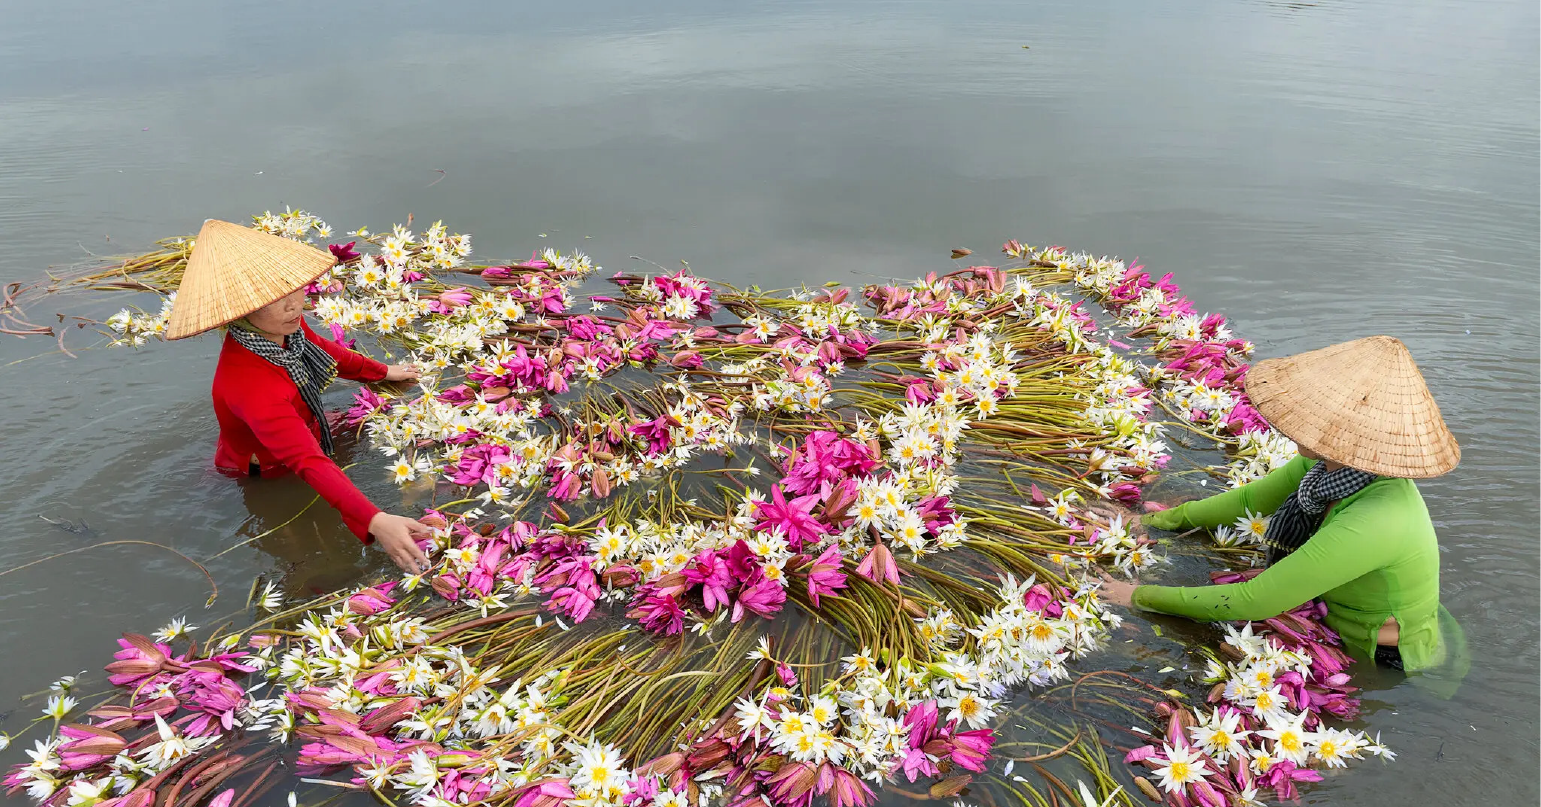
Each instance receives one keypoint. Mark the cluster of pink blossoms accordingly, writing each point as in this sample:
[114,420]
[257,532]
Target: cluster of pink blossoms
[823,476]
[183,702]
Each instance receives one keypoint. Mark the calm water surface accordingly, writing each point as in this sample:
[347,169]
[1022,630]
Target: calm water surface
[1318,171]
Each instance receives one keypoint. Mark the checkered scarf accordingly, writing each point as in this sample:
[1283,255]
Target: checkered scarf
[309,367]
[1301,514]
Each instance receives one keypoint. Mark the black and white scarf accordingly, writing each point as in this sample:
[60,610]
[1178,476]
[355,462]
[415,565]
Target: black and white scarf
[1301,514]
[309,367]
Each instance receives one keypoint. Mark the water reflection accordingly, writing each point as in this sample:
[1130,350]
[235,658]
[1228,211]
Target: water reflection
[300,533]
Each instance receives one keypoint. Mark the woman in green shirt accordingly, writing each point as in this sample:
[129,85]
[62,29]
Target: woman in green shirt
[1348,524]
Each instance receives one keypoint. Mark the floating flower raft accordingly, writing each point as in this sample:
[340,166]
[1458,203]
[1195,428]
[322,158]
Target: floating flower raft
[702,545]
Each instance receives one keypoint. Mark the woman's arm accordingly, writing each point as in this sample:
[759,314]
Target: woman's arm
[350,364]
[1344,550]
[1263,496]
[275,422]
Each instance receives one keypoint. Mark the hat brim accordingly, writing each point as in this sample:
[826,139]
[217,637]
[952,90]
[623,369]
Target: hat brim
[1363,404]
[235,270]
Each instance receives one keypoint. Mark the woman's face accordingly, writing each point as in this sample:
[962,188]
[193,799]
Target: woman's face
[282,317]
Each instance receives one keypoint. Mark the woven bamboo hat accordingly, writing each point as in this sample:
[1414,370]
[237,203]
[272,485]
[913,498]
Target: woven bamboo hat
[236,270]
[1362,404]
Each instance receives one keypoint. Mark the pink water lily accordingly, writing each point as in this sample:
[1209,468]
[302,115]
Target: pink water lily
[764,598]
[549,793]
[659,613]
[879,565]
[792,518]
[450,299]
[921,720]
[340,336]
[824,575]
[344,253]
[138,659]
[711,573]
[372,600]
[971,749]
[792,785]
[365,403]
[846,790]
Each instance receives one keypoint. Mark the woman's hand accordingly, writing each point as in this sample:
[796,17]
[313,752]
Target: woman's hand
[1117,591]
[402,372]
[1131,520]
[1162,519]
[397,537]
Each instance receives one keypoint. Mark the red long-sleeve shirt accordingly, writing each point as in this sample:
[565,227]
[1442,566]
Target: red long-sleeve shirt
[263,420]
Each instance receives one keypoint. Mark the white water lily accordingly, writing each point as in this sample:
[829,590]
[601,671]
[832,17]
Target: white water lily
[1179,767]
[176,629]
[59,706]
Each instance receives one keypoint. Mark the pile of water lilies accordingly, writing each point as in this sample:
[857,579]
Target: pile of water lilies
[695,544]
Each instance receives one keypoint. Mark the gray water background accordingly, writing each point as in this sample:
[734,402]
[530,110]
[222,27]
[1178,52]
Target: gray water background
[1318,171]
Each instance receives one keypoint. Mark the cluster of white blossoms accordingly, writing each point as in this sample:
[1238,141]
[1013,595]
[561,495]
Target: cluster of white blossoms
[1017,644]
[794,377]
[380,292]
[453,329]
[429,435]
[807,391]
[1253,687]
[856,721]
[1257,453]
[293,224]
[1248,530]
[1119,405]
[134,328]
[1115,544]
[45,773]
[337,662]
[1254,452]
[891,508]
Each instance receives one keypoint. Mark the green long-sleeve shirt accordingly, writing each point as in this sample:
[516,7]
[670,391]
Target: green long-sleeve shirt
[1375,556]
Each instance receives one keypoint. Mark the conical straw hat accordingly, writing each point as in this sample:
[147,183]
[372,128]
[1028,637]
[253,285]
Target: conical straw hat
[236,270]
[1362,404]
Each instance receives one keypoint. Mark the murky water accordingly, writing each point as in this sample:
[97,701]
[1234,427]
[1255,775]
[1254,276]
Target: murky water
[1318,171]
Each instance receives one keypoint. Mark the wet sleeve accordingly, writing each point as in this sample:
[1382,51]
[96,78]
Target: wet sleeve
[279,427]
[351,365]
[1261,496]
[1344,550]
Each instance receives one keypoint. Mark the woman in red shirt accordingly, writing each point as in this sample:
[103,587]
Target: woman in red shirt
[272,369]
